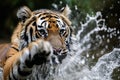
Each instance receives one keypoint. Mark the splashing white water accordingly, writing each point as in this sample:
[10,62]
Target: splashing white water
[76,66]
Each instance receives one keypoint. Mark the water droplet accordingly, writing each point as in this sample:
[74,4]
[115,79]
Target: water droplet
[102,52]
[61,2]
[83,62]
[76,8]
[87,55]
[119,37]
[111,36]
[108,40]
[55,6]
[106,46]
[103,36]
[93,57]
[119,19]
[106,16]
[112,7]
[118,32]
[111,14]
[118,2]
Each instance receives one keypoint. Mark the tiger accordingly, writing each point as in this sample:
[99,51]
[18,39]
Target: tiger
[40,40]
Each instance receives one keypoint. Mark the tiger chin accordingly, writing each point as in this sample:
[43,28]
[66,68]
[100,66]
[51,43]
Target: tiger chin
[40,40]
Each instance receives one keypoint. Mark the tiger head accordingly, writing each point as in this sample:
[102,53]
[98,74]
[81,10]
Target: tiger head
[51,26]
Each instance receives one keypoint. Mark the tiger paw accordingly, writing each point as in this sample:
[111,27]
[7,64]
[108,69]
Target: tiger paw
[37,53]
[43,52]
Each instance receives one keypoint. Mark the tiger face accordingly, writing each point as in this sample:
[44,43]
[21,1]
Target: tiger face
[47,25]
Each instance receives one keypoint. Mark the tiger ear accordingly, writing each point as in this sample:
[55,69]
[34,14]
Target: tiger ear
[66,11]
[65,14]
[24,13]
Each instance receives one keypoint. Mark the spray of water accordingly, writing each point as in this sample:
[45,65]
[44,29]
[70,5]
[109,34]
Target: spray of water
[77,64]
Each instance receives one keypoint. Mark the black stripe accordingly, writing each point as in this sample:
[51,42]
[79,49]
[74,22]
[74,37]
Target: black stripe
[34,23]
[38,35]
[10,78]
[43,18]
[43,22]
[15,48]
[27,12]
[64,34]
[55,16]
[42,14]
[13,75]
[26,28]
[58,21]
[29,63]
[25,35]
[24,73]
[31,33]
[30,21]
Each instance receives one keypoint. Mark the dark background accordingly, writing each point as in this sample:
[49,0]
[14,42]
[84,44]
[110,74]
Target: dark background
[8,20]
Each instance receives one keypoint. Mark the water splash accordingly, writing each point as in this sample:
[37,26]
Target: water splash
[77,64]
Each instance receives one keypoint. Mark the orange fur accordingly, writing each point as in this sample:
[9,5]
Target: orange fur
[10,62]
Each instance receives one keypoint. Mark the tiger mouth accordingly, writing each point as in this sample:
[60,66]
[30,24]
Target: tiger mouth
[60,55]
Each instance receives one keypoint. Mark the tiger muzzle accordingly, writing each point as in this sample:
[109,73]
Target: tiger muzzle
[59,48]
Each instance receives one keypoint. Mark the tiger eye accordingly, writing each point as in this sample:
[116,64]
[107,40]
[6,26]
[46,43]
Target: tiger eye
[62,31]
[42,31]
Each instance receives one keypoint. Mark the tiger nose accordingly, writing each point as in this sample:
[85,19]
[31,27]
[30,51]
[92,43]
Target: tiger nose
[56,42]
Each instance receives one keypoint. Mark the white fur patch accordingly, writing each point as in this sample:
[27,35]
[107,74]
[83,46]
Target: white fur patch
[24,12]
[36,48]
[66,11]
[25,55]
